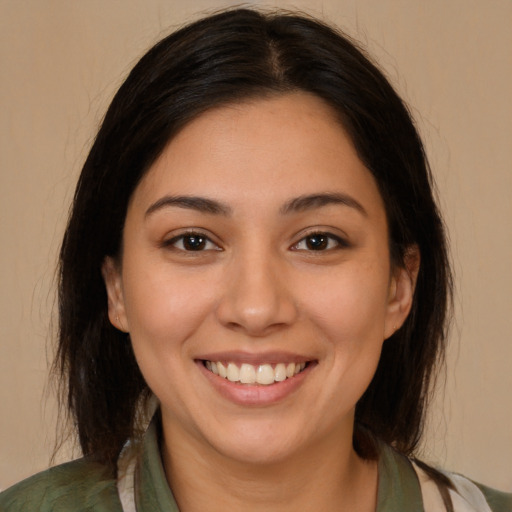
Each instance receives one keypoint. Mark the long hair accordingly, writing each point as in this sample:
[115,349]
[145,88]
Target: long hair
[230,57]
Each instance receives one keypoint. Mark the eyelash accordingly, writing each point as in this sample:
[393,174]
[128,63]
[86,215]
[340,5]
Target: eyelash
[326,237]
[325,242]
[174,242]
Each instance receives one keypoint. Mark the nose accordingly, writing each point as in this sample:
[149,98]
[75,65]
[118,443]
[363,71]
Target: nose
[256,299]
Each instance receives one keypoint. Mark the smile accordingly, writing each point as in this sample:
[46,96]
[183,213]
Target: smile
[263,374]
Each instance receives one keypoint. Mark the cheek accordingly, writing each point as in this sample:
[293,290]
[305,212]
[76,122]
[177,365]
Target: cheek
[350,302]
[351,320]
[349,310]
[164,312]
[164,309]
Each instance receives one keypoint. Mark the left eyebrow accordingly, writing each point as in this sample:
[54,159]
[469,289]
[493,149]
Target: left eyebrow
[313,201]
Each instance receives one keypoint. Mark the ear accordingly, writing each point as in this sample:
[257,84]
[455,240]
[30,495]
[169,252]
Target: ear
[113,283]
[401,291]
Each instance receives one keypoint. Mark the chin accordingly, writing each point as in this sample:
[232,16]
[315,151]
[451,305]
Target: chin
[260,445]
[255,453]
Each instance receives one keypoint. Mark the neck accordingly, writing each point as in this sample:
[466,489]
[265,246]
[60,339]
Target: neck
[328,476]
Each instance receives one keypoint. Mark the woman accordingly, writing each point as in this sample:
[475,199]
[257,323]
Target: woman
[254,242]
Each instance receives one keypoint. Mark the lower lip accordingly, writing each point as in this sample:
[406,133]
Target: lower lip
[252,394]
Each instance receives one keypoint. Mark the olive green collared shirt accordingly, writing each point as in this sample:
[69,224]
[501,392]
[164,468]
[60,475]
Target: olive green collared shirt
[83,485]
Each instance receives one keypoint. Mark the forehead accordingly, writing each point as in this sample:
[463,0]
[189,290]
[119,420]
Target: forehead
[259,151]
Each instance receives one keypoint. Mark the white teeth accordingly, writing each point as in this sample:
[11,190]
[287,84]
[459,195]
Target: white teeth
[247,374]
[280,372]
[233,373]
[263,374]
[222,370]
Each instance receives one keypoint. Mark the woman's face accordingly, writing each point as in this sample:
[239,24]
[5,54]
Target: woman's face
[257,247]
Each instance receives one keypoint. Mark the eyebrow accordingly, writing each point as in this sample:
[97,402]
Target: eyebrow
[297,204]
[200,204]
[313,201]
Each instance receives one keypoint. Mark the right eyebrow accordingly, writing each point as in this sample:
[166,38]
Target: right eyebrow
[200,204]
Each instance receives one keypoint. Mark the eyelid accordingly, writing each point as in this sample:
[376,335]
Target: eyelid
[170,243]
[341,241]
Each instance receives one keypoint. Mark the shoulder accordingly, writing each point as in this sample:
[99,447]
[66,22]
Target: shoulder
[498,501]
[406,484]
[465,494]
[79,485]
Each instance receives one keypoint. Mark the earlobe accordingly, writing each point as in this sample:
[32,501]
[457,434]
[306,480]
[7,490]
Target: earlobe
[113,284]
[401,290]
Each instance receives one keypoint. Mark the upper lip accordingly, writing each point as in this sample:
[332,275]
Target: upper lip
[255,358]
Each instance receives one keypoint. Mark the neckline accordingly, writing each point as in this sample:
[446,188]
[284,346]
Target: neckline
[398,485]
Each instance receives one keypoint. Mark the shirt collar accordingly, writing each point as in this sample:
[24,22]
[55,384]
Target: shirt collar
[398,486]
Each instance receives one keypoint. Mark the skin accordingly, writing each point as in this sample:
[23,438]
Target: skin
[258,289]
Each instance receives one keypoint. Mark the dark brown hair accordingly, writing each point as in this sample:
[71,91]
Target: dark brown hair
[229,57]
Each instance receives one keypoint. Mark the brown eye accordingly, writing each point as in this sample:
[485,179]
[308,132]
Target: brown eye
[320,242]
[317,242]
[192,242]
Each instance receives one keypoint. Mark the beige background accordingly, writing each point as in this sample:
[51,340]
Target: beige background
[60,62]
